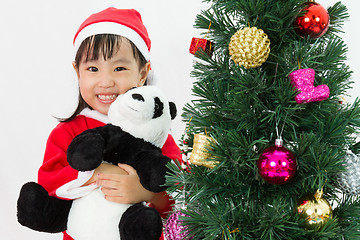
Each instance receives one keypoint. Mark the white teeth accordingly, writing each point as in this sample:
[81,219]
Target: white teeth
[107,97]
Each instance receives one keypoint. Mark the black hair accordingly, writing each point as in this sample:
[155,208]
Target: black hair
[100,45]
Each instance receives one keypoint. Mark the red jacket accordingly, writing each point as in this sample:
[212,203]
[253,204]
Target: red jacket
[62,181]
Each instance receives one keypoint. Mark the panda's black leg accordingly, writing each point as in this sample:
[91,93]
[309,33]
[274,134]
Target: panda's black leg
[40,212]
[140,223]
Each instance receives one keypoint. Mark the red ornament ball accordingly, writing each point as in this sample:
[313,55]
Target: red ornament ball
[277,165]
[313,21]
[174,230]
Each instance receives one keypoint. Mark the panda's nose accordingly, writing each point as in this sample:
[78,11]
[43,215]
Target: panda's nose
[138,97]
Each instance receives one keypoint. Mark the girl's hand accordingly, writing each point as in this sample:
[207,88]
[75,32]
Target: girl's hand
[104,168]
[123,185]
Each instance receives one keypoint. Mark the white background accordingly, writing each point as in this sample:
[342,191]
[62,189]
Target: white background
[38,82]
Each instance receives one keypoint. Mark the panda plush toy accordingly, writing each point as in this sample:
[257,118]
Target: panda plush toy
[139,125]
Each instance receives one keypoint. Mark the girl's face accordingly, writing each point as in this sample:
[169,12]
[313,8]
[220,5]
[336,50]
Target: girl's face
[101,81]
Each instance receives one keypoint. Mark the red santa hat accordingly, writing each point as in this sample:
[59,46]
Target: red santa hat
[123,22]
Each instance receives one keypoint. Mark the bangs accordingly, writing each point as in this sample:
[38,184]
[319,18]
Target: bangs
[105,46]
[96,46]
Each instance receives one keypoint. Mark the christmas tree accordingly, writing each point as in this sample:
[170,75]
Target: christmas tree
[277,154]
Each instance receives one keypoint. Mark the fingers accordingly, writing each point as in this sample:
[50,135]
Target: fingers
[117,183]
[122,188]
[109,176]
[113,195]
[116,193]
[108,184]
[129,169]
[103,179]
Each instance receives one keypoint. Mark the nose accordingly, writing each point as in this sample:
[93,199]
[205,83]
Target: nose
[138,97]
[107,80]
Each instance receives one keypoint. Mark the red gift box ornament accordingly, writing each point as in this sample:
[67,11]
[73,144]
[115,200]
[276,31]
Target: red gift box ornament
[202,43]
[206,45]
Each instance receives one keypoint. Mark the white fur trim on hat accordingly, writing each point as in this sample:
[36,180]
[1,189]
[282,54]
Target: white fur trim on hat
[113,28]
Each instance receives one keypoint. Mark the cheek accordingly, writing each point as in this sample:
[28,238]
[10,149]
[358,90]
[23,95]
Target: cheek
[126,86]
[85,88]
[82,86]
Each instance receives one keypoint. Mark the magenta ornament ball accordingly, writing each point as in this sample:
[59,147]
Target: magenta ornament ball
[174,230]
[277,165]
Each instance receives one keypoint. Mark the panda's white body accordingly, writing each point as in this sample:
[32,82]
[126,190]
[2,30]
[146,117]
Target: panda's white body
[91,216]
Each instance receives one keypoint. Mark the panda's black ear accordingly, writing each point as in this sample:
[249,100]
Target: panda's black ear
[173,110]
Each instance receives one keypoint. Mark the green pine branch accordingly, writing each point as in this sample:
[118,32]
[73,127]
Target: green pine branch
[241,109]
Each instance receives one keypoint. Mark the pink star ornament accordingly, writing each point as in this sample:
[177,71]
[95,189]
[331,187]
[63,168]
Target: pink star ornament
[303,81]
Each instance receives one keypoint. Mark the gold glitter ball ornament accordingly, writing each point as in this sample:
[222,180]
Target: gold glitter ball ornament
[249,47]
[315,210]
[200,155]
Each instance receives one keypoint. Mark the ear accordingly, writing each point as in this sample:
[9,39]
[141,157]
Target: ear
[143,74]
[76,69]
[172,110]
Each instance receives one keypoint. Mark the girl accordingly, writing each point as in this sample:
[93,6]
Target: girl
[112,56]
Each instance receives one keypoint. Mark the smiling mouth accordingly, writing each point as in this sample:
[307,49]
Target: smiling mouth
[107,97]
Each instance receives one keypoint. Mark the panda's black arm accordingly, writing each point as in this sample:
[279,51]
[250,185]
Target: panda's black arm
[151,169]
[86,149]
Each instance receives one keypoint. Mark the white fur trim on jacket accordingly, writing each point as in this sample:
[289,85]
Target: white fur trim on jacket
[74,189]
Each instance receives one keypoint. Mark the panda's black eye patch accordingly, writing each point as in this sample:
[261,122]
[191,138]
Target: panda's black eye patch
[138,97]
[158,108]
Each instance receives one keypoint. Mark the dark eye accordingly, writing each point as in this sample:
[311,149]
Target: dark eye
[157,106]
[138,97]
[119,69]
[93,69]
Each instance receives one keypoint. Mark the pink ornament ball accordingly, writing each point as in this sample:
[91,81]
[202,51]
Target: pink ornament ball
[277,165]
[174,230]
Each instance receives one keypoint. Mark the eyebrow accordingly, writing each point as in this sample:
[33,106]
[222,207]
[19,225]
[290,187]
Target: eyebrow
[115,61]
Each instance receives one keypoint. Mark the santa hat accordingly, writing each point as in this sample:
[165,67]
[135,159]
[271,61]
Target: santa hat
[123,22]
